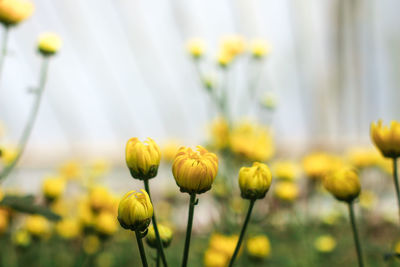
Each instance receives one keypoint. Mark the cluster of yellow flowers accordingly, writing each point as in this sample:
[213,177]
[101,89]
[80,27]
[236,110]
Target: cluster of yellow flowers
[220,250]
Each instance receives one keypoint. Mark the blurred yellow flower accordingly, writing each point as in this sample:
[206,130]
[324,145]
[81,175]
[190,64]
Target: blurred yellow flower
[368,199]
[98,168]
[49,43]
[196,47]
[386,139]
[343,184]
[269,101]
[214,258]
[285,170]
[325,244]
[100,198]
[53,187]
[331,218]
[397,247]
[71,170]
[195,170]
[85,214]
[219,133]
[169,150]
[252,142]
[224,59]
[60,207]
[8,154]
[286,190]
[232,45]
[37,226]
[142,158]
[165,235]
[13,12]
[254,181]
[3,222]
[223,244]
[317,165]
[68,228]
[21,238]
[106,224]
[91,244]
[258,247]
[259,48]
[360,157]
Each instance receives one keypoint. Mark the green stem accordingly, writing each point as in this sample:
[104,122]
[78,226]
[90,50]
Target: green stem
[141,248]
[160,248]
[242,232]
[355,234]
[189,229]
[4,47]
[396,182]
[31,121]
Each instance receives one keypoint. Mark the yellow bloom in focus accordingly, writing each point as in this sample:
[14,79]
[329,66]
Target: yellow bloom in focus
[91,244]
[386,139]
[220,133]
[214,258]
[258,247]
[135,211]
[325,244]
[254,182]
[363,157]
[343,184]
[71,170]
[317,165]
[37,226]
[169,150]
[21,238]
[165,235]
[106,224]
[287,191]
[68,228]
[285,170]
[368,199]
[224,244]
[232,45]
[49,43]
[8,154]
[194,171]
[252,142]
[259,48]
[13,12]
[196,47]
[53,187]
[142,158]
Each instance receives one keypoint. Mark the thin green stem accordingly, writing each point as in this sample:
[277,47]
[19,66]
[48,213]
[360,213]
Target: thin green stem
[355,234]
[4,44]
[141,248]
[192,203]
[242,232]
[160,248]
[396,182]
[31,120]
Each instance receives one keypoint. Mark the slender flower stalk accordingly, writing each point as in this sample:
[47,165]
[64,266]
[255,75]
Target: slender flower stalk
[160,249]
[4,44]
[31,121]
[355,234]
[396,182]
[242,232]
[192,203]
[141,248]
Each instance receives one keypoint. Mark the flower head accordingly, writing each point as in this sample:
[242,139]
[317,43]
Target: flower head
[325,243]
[142,158]
[105,224]
[386,139]
[255,181]
[53,188]
[258,247]
[49,43]
[286,190]
[37,226]
[135,211]
[68,228]
[259,48]
[343,184]
[165,235]
[195,171]
[196,47]
[13,12]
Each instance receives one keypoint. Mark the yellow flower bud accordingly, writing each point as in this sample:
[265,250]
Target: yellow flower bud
[165,235]
[142,158]
[259,48]
[195,171]
[105,224]
[224,58]
[387,139]
[53,188]
[135,211]
[13,12]
[196,47]
[287,191]
[233,45]
[37,226]
[68,228]
[343,184]
[49,44]
[100,198]
[254,181]
[325,244]
[258,247]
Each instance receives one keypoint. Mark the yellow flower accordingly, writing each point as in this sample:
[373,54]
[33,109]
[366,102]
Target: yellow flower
[195,171]
[37,226]
[397,247]
[169,150]
[386,139]
[232,45]
[105,224]
[325,244]
[259,247]
[368,199]
[135,211]
[287,191]
[220,133]
[254,181]
[224,244]
[53,187]
[214,258]
[100,198]
[343,184]
[318,165]
[49,43]
[8,154]
[360,157]
[91,244]
[71,170]
[196,47]
[252,142]
[68,228]
[165,235]
[13,12]
[285,170]
[259,48]
[21,238]
[142,158]
[224,59]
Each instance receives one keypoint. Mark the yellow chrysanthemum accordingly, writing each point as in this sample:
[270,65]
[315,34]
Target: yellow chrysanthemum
[325,244]
[386,139]
[13,12]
